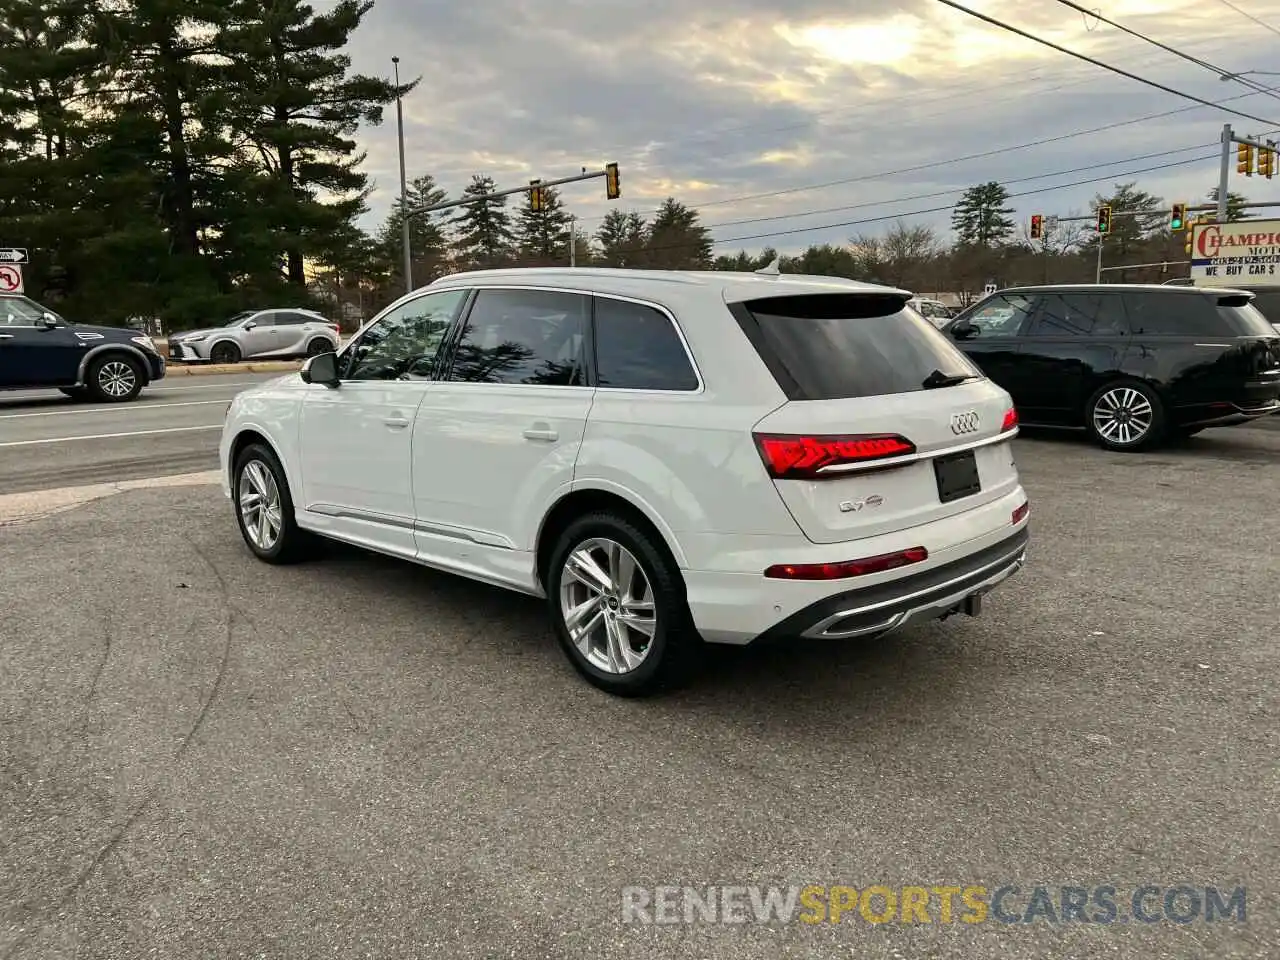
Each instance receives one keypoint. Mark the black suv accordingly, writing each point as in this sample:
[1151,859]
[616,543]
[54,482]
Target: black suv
[1130,363]
[39,349]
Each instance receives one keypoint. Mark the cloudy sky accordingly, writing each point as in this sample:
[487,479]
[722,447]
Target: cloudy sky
[797,118]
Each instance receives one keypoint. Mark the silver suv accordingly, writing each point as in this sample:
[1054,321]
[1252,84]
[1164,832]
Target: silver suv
[258,333]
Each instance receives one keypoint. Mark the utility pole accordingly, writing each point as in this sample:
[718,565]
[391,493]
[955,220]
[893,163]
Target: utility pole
[404,187]
[1098,275]
[1224,172]
[573,241]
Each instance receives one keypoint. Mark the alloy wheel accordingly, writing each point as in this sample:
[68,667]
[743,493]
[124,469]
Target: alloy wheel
[260,505]
[607,604]
[1123,416]
[117,378]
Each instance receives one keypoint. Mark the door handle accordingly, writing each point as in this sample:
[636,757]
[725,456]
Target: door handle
[541,432]
[6,336]
[396,423]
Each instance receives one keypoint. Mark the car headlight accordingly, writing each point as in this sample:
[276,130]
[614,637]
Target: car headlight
[195,338]
[146,343]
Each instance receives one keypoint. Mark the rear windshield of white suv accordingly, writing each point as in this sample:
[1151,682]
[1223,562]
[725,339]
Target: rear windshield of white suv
[842,346]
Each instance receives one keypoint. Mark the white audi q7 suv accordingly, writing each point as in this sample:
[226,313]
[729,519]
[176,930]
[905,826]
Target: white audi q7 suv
[667,458]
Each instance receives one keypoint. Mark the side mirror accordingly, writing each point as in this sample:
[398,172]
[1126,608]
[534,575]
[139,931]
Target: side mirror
[250,324]
[48,321]
[964,330]
[322,369]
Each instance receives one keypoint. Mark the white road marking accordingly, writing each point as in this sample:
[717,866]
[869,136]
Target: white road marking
[109,436]
[151,391]
[38,504]
[114,408]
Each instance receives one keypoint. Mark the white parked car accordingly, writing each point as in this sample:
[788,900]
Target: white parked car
[667,458]
[256,334]
[935,311]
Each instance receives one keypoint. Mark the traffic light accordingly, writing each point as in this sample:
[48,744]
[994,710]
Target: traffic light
[612,185]
[1104,220]
[1190,234]
[535,196]
[1267,160]
[1178,217]
[1244,159]
[1037,226]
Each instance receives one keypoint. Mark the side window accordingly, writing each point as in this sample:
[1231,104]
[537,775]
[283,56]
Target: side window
[404,343]
[524,336]
[1002,316]
[1065,315]
[285,318]
[1176,314]
[638,348]
[19,312]
[265,319]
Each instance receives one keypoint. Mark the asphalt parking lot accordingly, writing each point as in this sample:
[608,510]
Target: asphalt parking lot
[202,755]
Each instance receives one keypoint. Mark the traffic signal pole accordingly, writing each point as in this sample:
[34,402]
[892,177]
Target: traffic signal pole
[1224,173]
[479,198]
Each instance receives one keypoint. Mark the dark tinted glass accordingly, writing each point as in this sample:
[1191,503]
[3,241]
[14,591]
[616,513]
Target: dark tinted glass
[524,336]
[1078,315]
[1245,317]
[637,348]
[284,319]
[836,346]
[267,319]
[404,344]
[1176,314]
[1001,316]
[1267,302]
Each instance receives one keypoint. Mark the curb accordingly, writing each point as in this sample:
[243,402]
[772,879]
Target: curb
[211,369]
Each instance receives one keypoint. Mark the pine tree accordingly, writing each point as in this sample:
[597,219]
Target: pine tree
[482,230]
[543,235]
[621,237]
[428,245]
[1235,204]
[677,240]
[299,107]
[983,217]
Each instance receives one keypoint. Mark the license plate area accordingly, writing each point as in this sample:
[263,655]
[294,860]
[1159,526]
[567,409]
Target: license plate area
[957,476]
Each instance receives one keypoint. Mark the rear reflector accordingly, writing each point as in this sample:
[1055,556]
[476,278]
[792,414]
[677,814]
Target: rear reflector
[1021,513]
[1010,420]
[793,457]
[849,568]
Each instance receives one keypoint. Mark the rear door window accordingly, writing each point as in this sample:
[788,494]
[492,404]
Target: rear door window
[841,346]
[1079,315]
[1176,314]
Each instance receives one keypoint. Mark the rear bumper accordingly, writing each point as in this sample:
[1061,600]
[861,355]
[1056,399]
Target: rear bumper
[936,593]
[1228,415]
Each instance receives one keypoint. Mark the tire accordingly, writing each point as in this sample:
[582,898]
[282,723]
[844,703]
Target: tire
[114,378]
[225,352]
[318,346]
[1140,428]
[663,651]
[257,468]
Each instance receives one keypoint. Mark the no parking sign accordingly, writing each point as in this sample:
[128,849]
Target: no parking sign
[10,279]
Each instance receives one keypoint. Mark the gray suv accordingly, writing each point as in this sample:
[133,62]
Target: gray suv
[258,333]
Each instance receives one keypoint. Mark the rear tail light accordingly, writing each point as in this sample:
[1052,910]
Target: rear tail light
[799,457]
[849,568]
[1020,514]
[1010,420]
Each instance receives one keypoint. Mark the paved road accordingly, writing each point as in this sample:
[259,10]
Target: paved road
[49,441]
[202,755]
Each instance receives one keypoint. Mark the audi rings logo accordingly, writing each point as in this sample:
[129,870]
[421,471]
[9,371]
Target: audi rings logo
[967,422]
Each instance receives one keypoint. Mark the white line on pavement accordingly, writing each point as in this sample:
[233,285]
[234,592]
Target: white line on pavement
[108,436]
[114,408]
[151,391]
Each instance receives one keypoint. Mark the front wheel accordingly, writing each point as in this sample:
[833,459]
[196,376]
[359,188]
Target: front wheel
[264,507]
[617,602]
[224,353]
[113,378]
[1125,416]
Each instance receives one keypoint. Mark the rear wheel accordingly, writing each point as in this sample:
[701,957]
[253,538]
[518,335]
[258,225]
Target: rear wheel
[617,602]
[1126,415]
[318,346]
[113,378]
[225,352]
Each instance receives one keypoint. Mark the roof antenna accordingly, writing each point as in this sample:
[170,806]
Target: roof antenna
[772,269]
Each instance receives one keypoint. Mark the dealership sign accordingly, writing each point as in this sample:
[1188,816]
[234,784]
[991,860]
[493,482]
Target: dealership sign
[1241,254]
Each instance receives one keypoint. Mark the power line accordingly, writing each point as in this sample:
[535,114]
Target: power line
[1250,16]
[1098,63]
[1222,73]
[862,178]
[954,190]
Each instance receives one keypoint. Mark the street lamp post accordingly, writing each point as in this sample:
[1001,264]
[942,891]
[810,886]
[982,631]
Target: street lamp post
[404,188]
